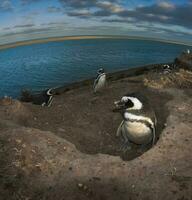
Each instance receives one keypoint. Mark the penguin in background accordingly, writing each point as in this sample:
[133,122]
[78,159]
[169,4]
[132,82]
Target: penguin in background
[48,98]
[139,121]
[44,99]
[100,80]
[167,69]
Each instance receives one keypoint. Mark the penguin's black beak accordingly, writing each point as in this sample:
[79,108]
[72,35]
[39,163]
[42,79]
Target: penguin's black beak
[119,105]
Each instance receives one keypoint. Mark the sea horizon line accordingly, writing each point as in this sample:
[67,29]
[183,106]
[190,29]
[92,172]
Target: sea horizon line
[85,37]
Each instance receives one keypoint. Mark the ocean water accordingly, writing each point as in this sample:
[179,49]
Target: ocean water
[40,66]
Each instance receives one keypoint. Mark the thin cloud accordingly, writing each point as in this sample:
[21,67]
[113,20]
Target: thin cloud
[53,9]
[54,23]
[24,25]
[25,2]
[28,31]
[5,5]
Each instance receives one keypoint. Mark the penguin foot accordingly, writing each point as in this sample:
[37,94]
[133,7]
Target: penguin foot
[126,146]
[43,104]
[142,148]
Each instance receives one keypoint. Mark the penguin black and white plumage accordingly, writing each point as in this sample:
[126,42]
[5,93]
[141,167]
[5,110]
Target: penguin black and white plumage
[100,80]
[44,99]
[167,69]
[139,121]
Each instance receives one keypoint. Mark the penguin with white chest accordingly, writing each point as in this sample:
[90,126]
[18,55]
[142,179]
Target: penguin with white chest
[100,80]
[139,121]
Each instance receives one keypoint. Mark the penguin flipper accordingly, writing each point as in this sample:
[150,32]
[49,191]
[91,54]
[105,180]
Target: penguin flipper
[154,130]
[50,101]
[96,82]
[119,130]
[154,135]
[43,104]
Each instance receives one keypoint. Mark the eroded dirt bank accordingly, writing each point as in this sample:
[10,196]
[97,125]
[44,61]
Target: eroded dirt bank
[69,151]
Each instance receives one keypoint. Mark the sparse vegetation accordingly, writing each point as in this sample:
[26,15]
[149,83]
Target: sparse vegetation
[26,95]
[6,101]
[179,79]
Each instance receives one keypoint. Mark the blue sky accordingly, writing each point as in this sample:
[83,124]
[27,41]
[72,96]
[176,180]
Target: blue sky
[32,19]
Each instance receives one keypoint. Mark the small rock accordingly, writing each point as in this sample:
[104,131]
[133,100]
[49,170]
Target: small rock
[18,141]
[85,187]
[80,185]
[64,148]
[33,151]
[38,165]
[96,178]
[133,186]
[70,168]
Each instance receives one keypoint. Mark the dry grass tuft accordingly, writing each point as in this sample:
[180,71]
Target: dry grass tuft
[180,79]
[6,101]
[26,96]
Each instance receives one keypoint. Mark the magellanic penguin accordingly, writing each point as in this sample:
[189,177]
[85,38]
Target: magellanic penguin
[44,99]
[100,80]
[167,69]
[139,121]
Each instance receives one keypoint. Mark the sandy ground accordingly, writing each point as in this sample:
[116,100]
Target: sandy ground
[69,151]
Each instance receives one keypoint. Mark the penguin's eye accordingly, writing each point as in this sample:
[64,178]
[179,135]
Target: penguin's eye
[129,104]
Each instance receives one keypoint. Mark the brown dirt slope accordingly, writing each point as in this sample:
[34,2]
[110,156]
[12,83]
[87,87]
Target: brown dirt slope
[69,151]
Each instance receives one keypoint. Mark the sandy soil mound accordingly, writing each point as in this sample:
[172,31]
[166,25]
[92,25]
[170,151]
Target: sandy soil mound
[87,120]
[14,110]
[39,165]
[63,153]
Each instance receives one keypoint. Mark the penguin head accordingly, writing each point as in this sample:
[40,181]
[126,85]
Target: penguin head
[166,66]
[101,71]
[49,92]
[128,103]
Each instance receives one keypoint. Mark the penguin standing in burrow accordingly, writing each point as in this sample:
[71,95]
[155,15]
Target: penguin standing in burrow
[100,80]
[139,121]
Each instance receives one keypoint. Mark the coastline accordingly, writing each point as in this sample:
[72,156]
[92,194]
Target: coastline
[113,76]
[72,144]
[58,39]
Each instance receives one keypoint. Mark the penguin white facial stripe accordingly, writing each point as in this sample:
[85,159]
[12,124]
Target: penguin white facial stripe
[138,118]
[136,102]
[125,99]
[48,92]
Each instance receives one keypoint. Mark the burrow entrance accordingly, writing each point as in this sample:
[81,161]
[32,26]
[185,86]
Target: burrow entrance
[87,120]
